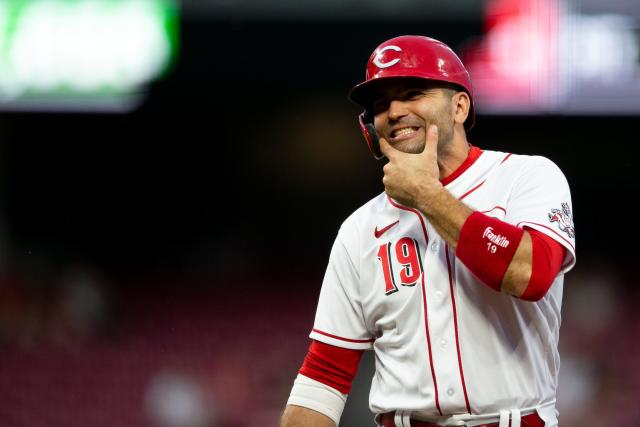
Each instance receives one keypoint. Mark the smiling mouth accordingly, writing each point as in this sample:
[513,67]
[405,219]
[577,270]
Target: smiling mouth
[398,133]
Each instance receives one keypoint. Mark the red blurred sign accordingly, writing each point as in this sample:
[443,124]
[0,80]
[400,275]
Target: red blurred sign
[537,56]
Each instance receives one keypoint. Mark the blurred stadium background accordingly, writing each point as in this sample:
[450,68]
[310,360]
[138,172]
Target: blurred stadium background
[172,176]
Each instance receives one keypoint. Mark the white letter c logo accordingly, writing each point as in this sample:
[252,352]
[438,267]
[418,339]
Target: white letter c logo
[378,59]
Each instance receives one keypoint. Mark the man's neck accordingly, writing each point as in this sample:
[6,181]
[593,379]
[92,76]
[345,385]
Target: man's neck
[452,156]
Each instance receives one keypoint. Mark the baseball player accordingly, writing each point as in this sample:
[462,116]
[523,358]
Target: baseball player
[453,275]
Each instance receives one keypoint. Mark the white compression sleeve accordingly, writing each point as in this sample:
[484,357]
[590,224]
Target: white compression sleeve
[314,395]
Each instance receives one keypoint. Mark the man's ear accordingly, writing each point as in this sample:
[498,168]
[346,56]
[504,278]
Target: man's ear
[461,104]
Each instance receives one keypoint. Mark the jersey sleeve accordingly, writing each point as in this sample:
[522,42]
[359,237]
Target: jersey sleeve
[339,317]
[540,199]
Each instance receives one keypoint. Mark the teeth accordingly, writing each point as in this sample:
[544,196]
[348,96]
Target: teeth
[404,131]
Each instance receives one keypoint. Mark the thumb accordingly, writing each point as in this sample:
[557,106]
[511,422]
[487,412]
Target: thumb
[431,144]
[386,148]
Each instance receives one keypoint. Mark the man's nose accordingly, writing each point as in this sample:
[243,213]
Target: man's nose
[397,109]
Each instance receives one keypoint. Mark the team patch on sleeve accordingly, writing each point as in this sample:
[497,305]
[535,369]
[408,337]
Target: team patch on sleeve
[564,219]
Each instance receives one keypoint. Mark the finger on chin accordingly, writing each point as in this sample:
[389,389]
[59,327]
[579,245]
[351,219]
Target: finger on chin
[432,139]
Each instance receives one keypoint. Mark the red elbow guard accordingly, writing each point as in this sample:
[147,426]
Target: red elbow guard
[547,258]
[486,247]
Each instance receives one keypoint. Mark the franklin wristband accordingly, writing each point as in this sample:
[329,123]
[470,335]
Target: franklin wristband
[486,247]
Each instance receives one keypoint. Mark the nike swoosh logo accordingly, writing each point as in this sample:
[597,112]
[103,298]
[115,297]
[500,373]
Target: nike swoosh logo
[380,232]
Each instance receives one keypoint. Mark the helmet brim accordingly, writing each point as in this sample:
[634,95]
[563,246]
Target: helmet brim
[363,94]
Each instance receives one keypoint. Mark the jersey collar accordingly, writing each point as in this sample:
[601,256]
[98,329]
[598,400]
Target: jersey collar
[472,156]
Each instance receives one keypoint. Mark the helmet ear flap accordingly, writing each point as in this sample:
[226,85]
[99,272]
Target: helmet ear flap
[370,135]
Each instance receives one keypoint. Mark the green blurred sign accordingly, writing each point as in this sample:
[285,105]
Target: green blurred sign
[83,54]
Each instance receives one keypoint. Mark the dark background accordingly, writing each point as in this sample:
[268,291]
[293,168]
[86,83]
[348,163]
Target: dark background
[252,143]
[203,223]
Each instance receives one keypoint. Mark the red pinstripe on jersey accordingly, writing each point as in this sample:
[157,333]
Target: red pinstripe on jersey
[506,157]
[342,338]
[480,185]
[471,191]
[424,300]
[500,208]
[550,229]
[455,326]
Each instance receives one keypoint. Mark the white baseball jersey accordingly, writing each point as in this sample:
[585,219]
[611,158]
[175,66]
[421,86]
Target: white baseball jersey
[444,342]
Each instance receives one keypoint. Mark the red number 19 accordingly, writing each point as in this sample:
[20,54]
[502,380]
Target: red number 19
[406,252]
[384,253]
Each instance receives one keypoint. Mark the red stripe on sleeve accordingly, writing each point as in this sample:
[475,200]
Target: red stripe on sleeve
[332,366]
[547,258]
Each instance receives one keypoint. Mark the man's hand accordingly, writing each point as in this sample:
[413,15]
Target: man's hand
[412,178]
[414,181]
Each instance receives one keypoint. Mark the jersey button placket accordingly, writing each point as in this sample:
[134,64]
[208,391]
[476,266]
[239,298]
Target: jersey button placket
[445,358]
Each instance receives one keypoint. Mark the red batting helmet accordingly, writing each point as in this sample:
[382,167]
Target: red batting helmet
[409,56]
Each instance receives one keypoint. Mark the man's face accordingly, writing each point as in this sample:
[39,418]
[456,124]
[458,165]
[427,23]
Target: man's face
[405,108]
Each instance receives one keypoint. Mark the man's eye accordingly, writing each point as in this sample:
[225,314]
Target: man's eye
[380,105]
[413,94]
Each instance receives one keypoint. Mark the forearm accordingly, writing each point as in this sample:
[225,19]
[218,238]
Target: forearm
[298,416]
[448,215]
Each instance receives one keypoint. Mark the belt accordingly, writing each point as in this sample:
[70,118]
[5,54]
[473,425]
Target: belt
[531,420]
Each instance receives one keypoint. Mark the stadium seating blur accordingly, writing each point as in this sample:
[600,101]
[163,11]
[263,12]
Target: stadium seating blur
[173,174]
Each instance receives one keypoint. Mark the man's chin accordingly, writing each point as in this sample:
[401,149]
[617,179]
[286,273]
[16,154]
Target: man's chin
[411,147]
